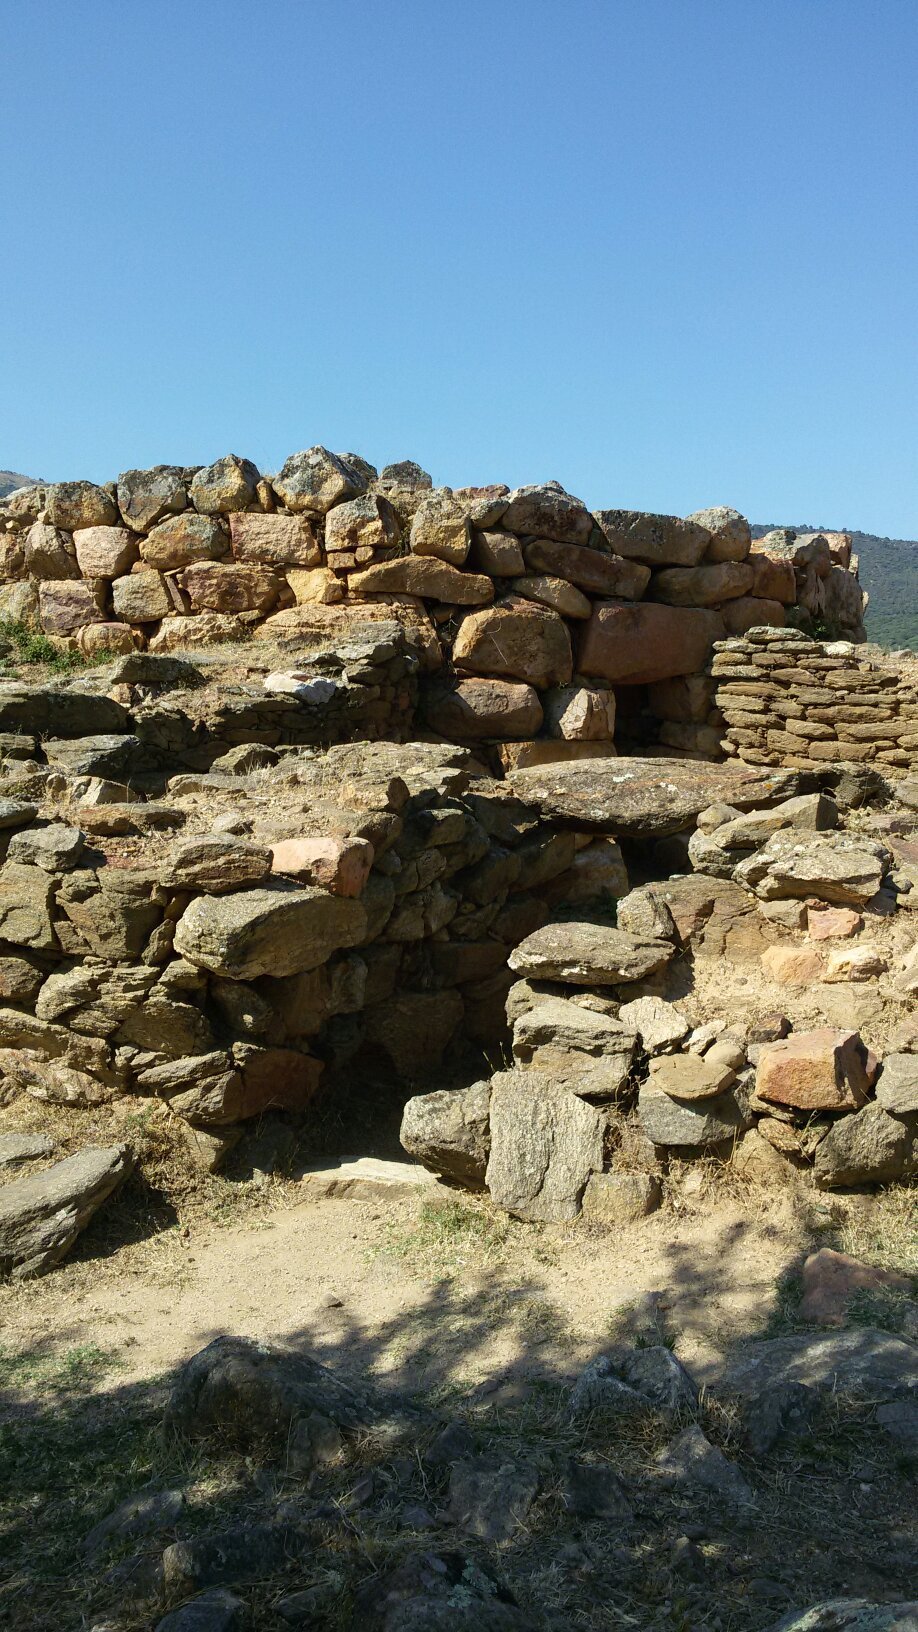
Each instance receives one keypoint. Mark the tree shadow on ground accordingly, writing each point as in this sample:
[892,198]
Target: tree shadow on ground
[830,1514]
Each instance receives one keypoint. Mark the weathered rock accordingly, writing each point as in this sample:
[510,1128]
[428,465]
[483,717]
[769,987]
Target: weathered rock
[581,713]
[214,1611]
[368,1178]
[498,554]
[16,813]
[450,1132]
[859,1360]
[146,496]
[637,644]
[79,504]
[141,1514]
[441,527]
[634,1380]
[773,579]
[547,511]
[851,1615]
[545,1143]
[516,638]
[748,612]
[425,576]
[869,1147]
[181,540]
[854,964]
[592,1491]
[365,523]
[842,868]
[659,541]
[109,754]
[42,1215]
[781,1411]
[104,552]
[490,1499]
[731,535]
[221,586]
[589,1053]
[16,1148]
[55,847]
[278,931]
[689,1077]
[274,541]
[645,798]
[659,1025]
[141,597]
[264,1399]
[588,955]
[64,608]
[49,553]
[668,1121]
[556,593]
[315,480]
[228,484]
[101,641]
[823,1069]
[26,898]
[476,709]
[691,1459]
[897,1087]
[831,923]
[596,877]
[339,865]
[236,1556]
[793,965]
[315,586]
[620,1198]
[591,570]
[217,866]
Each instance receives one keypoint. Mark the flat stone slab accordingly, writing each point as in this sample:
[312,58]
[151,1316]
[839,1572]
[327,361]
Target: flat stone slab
[585,954]
[646,798]
[365,1178]
[42,1214]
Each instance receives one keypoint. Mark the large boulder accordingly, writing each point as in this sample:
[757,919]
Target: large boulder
[366,523]
[440,527]
[450,1132]
[707,585]
[516,638]
[80,504]
[228,484]
[42,1214]
[592,570]
[278,931]
[316,480]
[180,540]
[146,496]
[588,955]
[646,798]
[547,511]
[104,552]
[731,535]
[637,644]
[581,713]
[64,609]
[859,1360]
[545,1143]
[266,1400]
[658,541]
[224,586]
[274,541]
[424,576]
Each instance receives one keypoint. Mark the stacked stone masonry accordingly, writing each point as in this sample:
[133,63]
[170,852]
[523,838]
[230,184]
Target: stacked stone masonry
[785,699]
[532,615]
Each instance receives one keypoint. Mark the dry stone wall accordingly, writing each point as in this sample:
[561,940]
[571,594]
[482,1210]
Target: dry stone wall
[531,615]
[786,699]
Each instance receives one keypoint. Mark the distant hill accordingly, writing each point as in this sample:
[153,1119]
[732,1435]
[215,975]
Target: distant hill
[889,573]
[10,480]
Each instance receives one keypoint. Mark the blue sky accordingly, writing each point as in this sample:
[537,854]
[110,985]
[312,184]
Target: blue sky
[664,251]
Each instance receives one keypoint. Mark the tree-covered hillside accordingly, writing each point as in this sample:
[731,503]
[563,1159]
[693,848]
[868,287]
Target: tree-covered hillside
[889,573]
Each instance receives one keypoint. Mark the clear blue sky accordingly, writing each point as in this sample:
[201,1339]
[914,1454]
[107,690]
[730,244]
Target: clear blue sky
[665,251]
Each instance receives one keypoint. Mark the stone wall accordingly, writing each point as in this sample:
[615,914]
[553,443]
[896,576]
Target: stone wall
[786,699]
[530,614]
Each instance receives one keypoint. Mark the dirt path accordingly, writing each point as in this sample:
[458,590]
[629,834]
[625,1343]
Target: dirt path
[420,1295]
